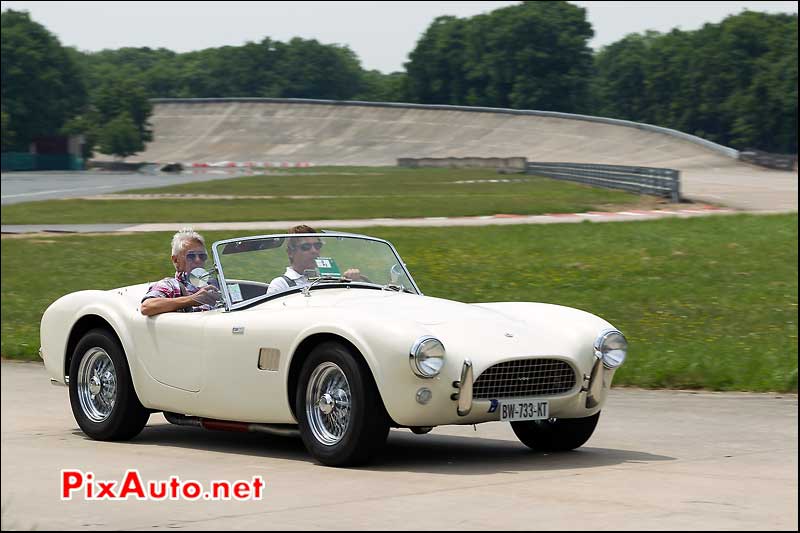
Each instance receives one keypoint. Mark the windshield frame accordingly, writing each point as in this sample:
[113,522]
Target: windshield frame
[230,306]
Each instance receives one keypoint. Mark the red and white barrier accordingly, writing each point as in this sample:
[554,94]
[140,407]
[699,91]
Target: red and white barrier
[251,164]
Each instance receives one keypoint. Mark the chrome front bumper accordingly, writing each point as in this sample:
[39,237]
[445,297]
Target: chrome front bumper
[464,386]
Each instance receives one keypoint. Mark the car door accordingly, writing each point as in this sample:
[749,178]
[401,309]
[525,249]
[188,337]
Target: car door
[171,348]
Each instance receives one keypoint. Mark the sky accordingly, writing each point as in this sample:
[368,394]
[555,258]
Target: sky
[382,34]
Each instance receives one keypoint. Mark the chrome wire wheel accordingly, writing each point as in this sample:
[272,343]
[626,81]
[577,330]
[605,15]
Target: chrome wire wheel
[328,403]
[97,384]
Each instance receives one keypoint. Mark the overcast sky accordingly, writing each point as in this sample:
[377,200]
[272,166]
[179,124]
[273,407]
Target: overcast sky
[382,34]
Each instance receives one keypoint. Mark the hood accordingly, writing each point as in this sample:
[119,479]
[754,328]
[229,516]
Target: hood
[500,328]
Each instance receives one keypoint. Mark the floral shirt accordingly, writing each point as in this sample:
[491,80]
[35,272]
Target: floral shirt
[171,288]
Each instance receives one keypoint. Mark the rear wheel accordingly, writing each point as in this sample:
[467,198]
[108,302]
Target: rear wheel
[101,391]
[341,416]
[556,435]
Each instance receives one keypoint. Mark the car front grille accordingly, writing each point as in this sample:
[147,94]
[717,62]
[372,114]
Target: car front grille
[524,378]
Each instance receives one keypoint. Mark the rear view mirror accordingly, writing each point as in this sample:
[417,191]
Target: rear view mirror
[253,245]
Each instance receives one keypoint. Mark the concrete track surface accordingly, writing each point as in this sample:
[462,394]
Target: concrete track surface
[337,133]
[659,460]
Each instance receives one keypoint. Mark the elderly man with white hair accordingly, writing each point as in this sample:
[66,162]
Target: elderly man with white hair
[177,293]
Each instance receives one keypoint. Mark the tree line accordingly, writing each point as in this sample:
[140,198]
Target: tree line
[734,83]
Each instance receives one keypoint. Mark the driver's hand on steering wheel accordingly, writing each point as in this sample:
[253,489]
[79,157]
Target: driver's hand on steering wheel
[207,295]
[353,273]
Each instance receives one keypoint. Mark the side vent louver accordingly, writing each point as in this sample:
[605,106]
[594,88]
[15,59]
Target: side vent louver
[269,359]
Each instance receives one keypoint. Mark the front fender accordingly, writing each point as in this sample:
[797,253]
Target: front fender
[385,351]
[61,317]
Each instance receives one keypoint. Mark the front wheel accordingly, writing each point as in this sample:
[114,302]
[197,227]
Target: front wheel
[556,435]
[341,416]
[101,391]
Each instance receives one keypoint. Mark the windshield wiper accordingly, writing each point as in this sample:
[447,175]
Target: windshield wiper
[393,287]
[307,288]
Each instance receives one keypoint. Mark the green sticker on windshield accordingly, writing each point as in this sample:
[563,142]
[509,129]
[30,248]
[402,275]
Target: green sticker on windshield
[327,266]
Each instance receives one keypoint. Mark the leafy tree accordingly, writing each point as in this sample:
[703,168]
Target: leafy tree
[534,55]
[120,96]
[8,134]
[379,87]
[437,65]
[734,83]
[41,87]
[314,70]
[120,137]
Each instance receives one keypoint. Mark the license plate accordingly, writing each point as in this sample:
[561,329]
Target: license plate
[511,410]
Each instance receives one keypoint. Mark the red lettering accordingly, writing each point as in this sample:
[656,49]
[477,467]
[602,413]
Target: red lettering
[192,490]
[132,483]
[156,494]
[173,487]
[221,490]
[71,480]
[106,488]
[258,484]
[241,490]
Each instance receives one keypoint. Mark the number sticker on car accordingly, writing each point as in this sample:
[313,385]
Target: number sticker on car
[512,410]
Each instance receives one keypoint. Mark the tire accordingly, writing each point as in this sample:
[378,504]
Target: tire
[101,391]
[556,435]
[342,419]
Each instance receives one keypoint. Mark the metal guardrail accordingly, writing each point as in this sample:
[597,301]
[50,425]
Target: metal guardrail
[769,160]
[644,180]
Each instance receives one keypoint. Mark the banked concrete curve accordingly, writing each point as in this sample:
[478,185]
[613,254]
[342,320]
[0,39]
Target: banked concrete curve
[326,132]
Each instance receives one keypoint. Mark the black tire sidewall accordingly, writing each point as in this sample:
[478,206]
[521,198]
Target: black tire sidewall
[127,417]
[561,435]
[367,427]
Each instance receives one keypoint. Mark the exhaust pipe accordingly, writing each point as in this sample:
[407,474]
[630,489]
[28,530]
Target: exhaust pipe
[283,430]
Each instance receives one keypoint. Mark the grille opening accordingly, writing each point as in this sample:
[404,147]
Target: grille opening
[524,378]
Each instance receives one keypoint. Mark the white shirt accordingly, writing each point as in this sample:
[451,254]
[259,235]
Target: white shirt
[279,284]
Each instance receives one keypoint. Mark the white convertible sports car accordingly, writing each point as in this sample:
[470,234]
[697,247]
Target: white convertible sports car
[338,359]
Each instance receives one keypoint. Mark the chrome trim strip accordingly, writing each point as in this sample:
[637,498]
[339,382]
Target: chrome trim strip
[465,389]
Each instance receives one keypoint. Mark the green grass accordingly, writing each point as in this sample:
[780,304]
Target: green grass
[705,303]
[350,193]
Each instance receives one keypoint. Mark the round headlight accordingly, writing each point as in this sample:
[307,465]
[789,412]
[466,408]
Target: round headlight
[611,347]
[427,357]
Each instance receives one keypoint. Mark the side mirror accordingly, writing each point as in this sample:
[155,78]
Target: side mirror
[396,274]
[199,277]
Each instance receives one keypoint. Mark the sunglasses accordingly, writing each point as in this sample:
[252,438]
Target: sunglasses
[191,256]
[306,246]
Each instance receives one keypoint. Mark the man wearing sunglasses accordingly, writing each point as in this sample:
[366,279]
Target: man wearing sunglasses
[177,293]
[302,253]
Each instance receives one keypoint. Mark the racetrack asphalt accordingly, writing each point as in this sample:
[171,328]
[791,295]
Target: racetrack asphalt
[659,460]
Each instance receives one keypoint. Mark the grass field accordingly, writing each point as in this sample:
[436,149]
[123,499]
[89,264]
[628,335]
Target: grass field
[337,193]
[706,303]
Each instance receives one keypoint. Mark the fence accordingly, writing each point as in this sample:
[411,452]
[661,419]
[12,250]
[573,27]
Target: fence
[25,161]
[766,159]
[644,180]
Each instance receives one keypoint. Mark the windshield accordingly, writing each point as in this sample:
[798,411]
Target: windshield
[256,268]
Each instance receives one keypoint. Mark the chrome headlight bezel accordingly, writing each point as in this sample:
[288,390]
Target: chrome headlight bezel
[424,359]
[611,347]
